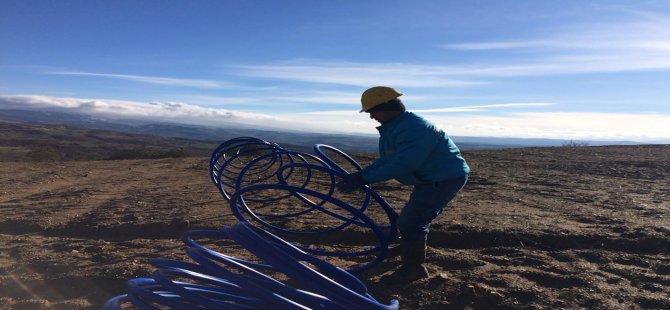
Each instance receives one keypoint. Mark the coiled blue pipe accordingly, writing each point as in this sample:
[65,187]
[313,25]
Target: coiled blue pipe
[241,168]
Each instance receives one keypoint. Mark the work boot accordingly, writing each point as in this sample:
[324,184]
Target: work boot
[413,255]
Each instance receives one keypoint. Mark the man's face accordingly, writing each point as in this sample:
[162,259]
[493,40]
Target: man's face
[383,116]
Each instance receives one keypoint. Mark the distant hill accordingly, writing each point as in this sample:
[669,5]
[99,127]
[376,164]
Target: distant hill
[30,141]
[298,140]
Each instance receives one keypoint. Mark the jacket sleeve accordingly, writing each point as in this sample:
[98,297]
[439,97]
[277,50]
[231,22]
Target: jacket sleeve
[413,145]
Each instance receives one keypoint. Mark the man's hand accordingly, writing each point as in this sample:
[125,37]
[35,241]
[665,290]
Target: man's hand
[351,182]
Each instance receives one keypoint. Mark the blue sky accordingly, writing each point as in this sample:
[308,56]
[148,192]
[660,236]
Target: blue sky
[544,69]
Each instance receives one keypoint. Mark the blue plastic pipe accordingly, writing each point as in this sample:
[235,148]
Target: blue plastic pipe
[214,280]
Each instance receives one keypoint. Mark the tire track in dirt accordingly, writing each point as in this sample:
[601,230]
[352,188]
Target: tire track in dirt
[65,222]
[130,202]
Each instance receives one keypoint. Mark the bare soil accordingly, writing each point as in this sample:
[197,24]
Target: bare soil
[535,228]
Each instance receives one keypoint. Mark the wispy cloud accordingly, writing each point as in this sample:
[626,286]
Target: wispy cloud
[306,99]
[487,107]
[333,113]
[473,108]
[639,31]
[357,74]
[345,98]
[196,83]
[640,43]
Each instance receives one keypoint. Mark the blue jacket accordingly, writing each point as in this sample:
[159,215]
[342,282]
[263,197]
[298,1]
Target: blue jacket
[412,150]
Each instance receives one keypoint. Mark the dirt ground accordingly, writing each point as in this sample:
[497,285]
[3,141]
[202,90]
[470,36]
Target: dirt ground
[535,228]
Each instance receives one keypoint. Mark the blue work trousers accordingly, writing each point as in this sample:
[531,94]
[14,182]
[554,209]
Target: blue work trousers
[425,203]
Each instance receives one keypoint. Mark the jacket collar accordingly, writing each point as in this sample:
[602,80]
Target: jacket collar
[392,122]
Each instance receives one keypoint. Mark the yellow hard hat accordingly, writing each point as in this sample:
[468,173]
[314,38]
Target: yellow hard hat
[377,95]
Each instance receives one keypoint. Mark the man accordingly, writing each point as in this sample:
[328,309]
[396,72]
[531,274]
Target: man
[415,152]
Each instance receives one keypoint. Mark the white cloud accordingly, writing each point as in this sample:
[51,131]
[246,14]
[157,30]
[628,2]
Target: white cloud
[158,111]
[196,83]
[556,125]
[563,125]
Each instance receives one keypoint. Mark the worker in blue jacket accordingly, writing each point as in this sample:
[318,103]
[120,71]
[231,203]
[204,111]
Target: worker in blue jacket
[415,152]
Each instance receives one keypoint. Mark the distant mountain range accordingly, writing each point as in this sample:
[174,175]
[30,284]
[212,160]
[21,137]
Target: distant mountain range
[351,143]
